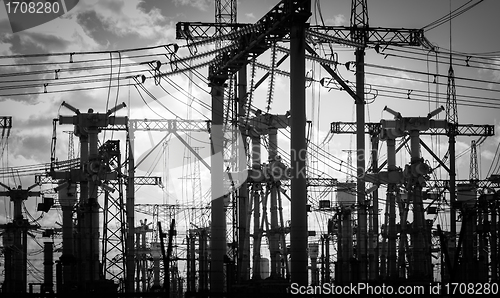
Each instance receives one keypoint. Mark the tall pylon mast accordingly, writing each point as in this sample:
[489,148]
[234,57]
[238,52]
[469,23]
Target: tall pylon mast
[452,118]
[359,27]
[71,144]
[474,170]
[225,13]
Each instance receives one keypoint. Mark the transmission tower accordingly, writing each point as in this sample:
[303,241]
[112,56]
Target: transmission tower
[225,14]
[474,171]
[452,118]
[359,25]
[349,164]
[71,144]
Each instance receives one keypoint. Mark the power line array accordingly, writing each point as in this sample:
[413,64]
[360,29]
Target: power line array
[248,244]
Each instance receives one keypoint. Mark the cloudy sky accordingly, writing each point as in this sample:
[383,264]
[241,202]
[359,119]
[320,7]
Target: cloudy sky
[98,31]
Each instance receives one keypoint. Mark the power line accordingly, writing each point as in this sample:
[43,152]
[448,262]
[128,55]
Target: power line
[71,54]
[455,13]
[425,81]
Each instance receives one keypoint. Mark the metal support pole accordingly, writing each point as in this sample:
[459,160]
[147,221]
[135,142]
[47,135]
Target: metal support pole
[403,214]
[494,241]
[374,241]
[383,249]
[313,252]
[361,238]
[130,254]
[483,247]
[468,261]
[298,229]
[192,262]
[327,259]
[274,237]
[19,264]
[139,263]
[92,210]
[453,198]
[256,209]
[323,258]
[156,272]
[8,284]
[83,240]
[244,241]
[347,246]
[218,214]
[67,199]
[392,271]
[203,263]
[143,260]
[48,267]
[420,268]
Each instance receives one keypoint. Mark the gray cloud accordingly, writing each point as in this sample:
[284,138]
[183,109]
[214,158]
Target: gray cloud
[32,147]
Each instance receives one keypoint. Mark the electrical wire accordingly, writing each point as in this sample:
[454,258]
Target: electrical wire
[71,54]
[448,17]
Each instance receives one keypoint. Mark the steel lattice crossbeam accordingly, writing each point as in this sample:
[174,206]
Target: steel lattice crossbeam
[343,35]
[44,179]
[317,182]
[377,36]
[170,125]
[148,181]
[492,182]
[374,127]
[200,31]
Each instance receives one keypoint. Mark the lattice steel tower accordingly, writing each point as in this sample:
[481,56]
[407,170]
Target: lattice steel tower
[474,170]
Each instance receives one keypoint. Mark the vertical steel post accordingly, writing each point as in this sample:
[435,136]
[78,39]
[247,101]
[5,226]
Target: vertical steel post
[347,246]
[483,246]
[192,262]
[48,267]
[218,214]
[421,253]
[244,242]
[361,238]
[274,237]
[494,241]
[92,215]
[327,258]
[402,250]
[391,201]
[82,241]
[19,263]
[374,241]
[453,196]
[130,249]
[323,258]
[256,188]
[298,229]
[203,261]
[143,259]
[67,199]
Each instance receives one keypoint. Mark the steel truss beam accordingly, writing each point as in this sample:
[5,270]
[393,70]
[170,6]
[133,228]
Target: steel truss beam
[375,127]
[480,184]
[374,36]
[141,180]
[317,182]
[195,31]
[170,125]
